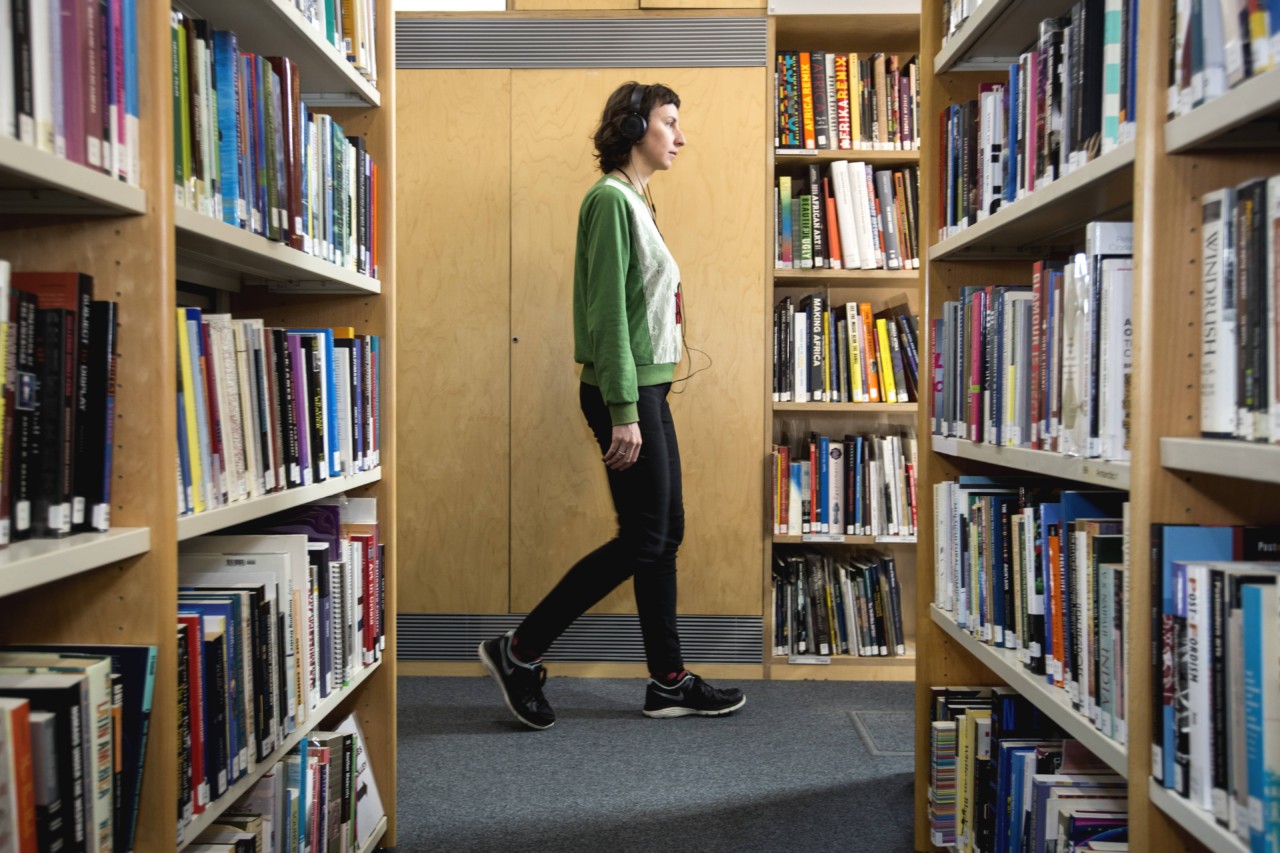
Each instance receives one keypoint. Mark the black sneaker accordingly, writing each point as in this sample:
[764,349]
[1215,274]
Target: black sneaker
[691,695]
[521,683]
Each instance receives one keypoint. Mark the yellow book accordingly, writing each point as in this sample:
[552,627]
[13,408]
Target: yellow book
[855,102]
[966,794]
[890,394]
[827,372]
[189,410]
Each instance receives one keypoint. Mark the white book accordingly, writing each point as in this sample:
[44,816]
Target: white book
[842,177]
[259,367]
[864,204]
[245,400]
[1218,350]
[1116,356]
[1179,100]
[1272,225]
[222,337]
[229,475]
[1076,328]
[1213,33]
[800,357]
[835,485]
[1199,663]
[41,75]
[1233,38]
[56,68]
[8,106]
[833,134]
[345,448]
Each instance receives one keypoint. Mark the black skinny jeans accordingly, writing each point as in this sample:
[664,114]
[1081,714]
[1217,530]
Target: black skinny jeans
[650,506]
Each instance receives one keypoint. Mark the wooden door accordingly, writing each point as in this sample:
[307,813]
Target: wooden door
[712,213]
[452,248]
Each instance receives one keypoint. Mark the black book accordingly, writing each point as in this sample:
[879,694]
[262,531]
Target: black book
[313,366]
[818,77]
[67,698]
[185,797]
[261,420]
[46,759]
[47,494]
[1251,307]
[23,74]
[286,403]
[362,201]
[813,306]
[820,226]
[26,413]
[895,602]
[217,756]
[95,421]
[818,600]
[1091,76]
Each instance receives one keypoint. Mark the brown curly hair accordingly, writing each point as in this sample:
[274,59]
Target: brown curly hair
[612,148]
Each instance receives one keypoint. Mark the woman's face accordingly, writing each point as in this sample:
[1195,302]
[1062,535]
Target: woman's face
[660,145]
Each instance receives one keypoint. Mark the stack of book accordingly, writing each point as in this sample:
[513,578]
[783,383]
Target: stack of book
[853,217]
[1004,779]
[74,726]
[1240,347]
[850,353]
[321,797]
[1044,573]
[827,605]
[58,362]
[348,25]
[69,82]
[1067,100]
[249,152]
[1044,366]
[272,620]
[837,101]
[1215,715]
[1219,44]
[863,485]
[262,409]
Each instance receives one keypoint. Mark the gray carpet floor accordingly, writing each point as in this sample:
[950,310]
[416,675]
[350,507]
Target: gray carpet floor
[803,766]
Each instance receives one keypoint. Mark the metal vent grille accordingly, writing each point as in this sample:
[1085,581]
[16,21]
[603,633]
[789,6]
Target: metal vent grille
[580,42]
[593,638]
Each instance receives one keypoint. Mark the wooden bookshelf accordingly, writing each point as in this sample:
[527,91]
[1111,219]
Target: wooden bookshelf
[201,523]
[1173,475]
[35,181]
[122,586]
[861,33]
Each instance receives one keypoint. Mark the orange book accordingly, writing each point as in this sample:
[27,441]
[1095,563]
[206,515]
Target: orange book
[806,102]
[784,488]
[833,227]
[844,115]
[882,103]
[15,727]
[869,353]
[1053,601]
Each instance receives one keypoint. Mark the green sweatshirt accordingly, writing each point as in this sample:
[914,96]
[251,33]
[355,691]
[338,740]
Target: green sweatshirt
[625,332]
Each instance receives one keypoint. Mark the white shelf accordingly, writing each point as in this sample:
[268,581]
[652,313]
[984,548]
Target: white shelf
[191,526]
[839,539]
[277,28]
[1210,124]
[1053,701]
[35,181]
[1195,821]
[379,830]
[1096,190]
[34,562]
[214,810]
[1222,458]
[215,254]
[1095,472]
[862,408]
[995,34]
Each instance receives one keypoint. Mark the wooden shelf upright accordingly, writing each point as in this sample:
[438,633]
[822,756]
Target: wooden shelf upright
[122,587]
[864,34]
[1162,176]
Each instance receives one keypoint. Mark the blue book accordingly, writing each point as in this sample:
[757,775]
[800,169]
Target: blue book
[195,348]
[1010,149]
[184,461]
[357,369]
[259,89]
[226,71]
[1009,758]
[296,777]
[129,17]
[227,607]
[375,347]
[1050,525]
[824,484]
[1260,714]
[1170,543]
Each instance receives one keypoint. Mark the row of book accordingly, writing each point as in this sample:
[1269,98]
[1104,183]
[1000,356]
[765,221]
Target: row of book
[1005,779]
[863,485]
[1045,366]
[69,81]
[1067,100]
[1216,45]
[1215,709]
[273,619]
[265,409]
[320,797]
[837,101]
[826,605]
[58,362]
[249,152]
[850,353]
[854,217]
[1021,565]
[1240,341]
[348,25]
[74,724]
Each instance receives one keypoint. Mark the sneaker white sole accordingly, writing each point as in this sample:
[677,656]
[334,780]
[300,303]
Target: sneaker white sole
[678,711]
[496,675]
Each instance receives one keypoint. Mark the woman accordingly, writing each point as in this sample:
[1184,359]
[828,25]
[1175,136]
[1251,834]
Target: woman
[627,337]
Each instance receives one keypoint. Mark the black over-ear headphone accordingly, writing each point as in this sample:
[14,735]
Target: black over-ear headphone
[634,126]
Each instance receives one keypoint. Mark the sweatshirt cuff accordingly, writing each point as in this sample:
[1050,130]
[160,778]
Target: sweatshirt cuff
[624,413]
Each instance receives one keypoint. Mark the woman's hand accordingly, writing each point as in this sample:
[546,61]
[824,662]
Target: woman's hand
[625,448]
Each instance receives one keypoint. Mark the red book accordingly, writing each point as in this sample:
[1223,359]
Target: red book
[74,78]
[16,764]
[977,332]
[291,127]
[195,693]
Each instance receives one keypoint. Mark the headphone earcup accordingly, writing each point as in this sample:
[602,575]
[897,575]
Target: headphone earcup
[633,127]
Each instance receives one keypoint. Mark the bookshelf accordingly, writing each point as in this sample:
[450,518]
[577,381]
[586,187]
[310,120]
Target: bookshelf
[1173,474]
[211,521]
[122,586]
[898,33]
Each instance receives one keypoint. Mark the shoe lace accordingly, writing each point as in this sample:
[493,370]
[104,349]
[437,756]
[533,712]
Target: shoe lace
[531,683]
